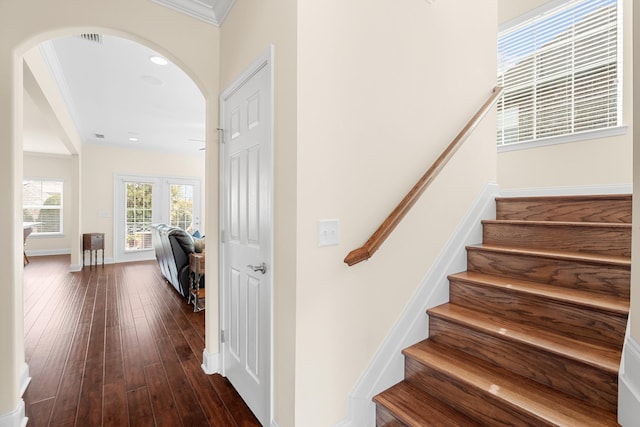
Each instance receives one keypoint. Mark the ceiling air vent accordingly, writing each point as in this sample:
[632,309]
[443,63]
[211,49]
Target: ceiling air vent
[98,135]
[93,38]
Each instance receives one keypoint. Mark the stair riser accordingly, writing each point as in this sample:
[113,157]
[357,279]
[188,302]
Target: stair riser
[606,279]
[573,321]
[477,404]
[593,385]
[598,240]
[616,210]
[385,418]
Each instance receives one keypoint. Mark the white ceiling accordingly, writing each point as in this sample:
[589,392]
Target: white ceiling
[111,88]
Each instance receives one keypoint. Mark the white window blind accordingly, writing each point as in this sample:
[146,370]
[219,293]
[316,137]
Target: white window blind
[561,72]
[42,205]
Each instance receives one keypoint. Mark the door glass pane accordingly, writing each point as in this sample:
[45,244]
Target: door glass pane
[138,216]
[181,206]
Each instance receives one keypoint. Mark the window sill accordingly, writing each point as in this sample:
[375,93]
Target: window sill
[554,140]
[45,235]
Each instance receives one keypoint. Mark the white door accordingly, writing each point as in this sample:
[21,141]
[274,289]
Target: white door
[246,267]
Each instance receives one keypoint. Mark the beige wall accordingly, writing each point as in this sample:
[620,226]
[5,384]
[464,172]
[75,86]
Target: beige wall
[249,30]
[509,9]
[355,134]
[604,161]
[101,163]
[38,166]
[635,250]
[189,43]
[379,97]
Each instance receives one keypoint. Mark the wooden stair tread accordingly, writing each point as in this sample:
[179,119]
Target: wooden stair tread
[598,356]
[414,407]
[540,402]
[604,303]
[616,260]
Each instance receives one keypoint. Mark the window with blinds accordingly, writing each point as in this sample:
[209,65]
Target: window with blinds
[42,205]
[561,72]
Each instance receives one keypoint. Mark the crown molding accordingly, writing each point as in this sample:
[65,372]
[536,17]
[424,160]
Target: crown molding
[210,11]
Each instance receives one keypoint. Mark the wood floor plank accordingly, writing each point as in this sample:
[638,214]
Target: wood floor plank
[117,346]
[66,402]
[90,402]
[133,367]
[190,413]
[115,405]
[39,413]
[232,400]
[211,402]
[140,412]
[162,402]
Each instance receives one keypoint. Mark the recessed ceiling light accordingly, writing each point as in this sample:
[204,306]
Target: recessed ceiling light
[158,60]
[134,139]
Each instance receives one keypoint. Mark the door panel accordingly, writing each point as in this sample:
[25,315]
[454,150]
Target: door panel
[246,223]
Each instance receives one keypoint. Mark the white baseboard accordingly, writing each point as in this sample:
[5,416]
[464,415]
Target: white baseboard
[629,384]
[210,362]
[387,366]
[14,418]
[25,379]
[47,252]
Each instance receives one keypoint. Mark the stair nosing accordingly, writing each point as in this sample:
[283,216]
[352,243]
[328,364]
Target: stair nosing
[509,395]
[384,400]
[585,257]
[582,224]
[572,197]
[541,339]
[567,296]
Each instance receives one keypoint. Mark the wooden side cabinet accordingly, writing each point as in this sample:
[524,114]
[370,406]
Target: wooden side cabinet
[92,242]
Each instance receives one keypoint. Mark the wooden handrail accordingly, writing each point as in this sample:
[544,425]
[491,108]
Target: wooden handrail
[371,246]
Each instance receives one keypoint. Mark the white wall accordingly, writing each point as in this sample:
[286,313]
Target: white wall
[187,42]
[604,161]
[100,164]
[39,166]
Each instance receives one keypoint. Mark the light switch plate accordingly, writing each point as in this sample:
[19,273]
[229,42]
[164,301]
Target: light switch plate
[328,232]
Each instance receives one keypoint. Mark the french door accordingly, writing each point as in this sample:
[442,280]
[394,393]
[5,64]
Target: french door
[145,200]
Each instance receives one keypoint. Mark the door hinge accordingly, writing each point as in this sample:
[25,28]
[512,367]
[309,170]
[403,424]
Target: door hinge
[222,336]
[223,236]
[220,135]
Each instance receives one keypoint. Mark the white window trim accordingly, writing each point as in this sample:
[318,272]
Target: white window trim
[563,139]
[49,234]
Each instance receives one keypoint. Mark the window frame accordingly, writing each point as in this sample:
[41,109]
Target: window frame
[38,234]
[596,133]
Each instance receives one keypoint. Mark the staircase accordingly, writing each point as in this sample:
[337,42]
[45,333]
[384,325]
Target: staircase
[533,332]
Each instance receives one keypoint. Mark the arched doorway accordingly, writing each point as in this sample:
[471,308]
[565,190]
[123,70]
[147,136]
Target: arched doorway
[190,44]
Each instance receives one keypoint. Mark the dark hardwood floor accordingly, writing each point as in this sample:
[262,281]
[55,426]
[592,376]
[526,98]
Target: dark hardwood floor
[117,346]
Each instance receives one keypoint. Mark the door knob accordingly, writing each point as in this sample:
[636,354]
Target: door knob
[261,268]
